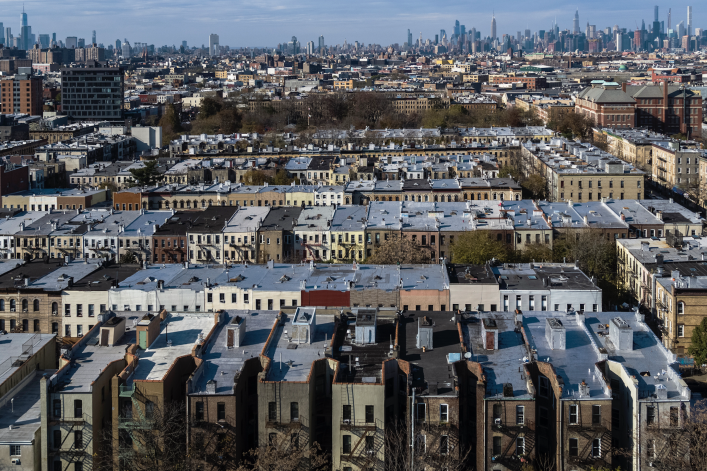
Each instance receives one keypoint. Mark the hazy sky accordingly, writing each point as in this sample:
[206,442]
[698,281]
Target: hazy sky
[269,22]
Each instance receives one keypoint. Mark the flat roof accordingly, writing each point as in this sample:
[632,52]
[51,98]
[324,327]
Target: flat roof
[502,364]
[223,364]
[433,365]
[290,363]
[90,359]
[182,331]
[366,360]
[574,364]
[15,349]
[23,413]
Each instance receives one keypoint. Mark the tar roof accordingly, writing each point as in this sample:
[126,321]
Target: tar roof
[364,362]
[281,219]
[221,363]
[23,413]
[102,279]
[470,274]
[433,371]
[89,359]
[649,361]
[178,335]
[501,366]
[33,270]
[292,361]
[11,225]
[577,362]
[59,278]
[15,349]
[556,276]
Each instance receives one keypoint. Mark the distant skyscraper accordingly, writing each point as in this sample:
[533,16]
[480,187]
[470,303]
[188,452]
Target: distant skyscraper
[81,43]
[409,39]
[25,32]
[575,26]
[689,21]
[44,41]
[321,44]
[71,42]
[118,46]
[670,25]
[493,27]
[456,27]
[655,13]
[213,45]
[93,37]
[2,33]
[8,37]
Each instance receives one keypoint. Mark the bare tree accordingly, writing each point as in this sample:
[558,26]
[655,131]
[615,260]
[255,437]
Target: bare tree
[431,451]
[399,250]
[285,455]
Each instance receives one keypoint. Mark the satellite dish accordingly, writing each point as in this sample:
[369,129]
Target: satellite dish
[467,355]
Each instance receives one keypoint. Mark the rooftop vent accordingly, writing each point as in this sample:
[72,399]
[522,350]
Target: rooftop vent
[555,334]
[621,334]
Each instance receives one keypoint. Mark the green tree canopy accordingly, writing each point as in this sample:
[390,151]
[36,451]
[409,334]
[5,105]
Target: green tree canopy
[148,175]
[698,348]
[477,247]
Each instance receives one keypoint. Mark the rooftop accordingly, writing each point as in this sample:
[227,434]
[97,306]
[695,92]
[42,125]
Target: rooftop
[178,335]
[21,417]
[292,358]
[223,364]
[15,349]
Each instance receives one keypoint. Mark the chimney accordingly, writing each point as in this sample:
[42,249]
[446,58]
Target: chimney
[659,215]
[211,386]
[236,332]
[623,87]
[555,333]
[621,334]
[583,389]
[160,284]
[366,326]
[489,334]
[661,392]
[425,328]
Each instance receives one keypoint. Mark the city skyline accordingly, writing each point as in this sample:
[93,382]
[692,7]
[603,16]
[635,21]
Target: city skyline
[309,20]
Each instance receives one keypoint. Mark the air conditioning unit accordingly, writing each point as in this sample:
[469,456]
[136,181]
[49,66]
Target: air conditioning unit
[497,422]
[347,421]
[12,309]
[650,464]
[16,461]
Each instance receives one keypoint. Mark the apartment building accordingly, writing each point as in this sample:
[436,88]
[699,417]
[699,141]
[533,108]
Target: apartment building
[93,92]
[634,146]
[295,386]
[205,234]
[581,172]
[668,109]
[240,236]
[677,166]
[154,380]
[27,358]
[277,234]
[135,239]
[365,399]
[76,400]
[222,392]
[22,94]
[312,233]
[348,227]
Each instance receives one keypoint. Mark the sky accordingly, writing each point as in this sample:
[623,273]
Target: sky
[242,23]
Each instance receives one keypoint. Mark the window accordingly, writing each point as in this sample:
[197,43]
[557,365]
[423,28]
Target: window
[544,386]
[681,307]
[443,412]
[346,413]
[596,446]
[294,411]
[346,445]
[15,450]
[272,411]
[497,411]
[421,411]
[78,439]
[444,444]
[574,447]
[574,409]
[596,415]
[681,330]
[520,446]
[369,415]
[615,419]
[497,445]
[544,418]
[57,408]
[520,415]
[674,419]
[650,415]
[370,443]
[199,413]
[221,411]
[650,449]
[78,408]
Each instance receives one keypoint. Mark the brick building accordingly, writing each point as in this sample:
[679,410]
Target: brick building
[21,94]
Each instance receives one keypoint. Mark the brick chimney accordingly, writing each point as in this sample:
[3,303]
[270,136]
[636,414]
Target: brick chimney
[623,87]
